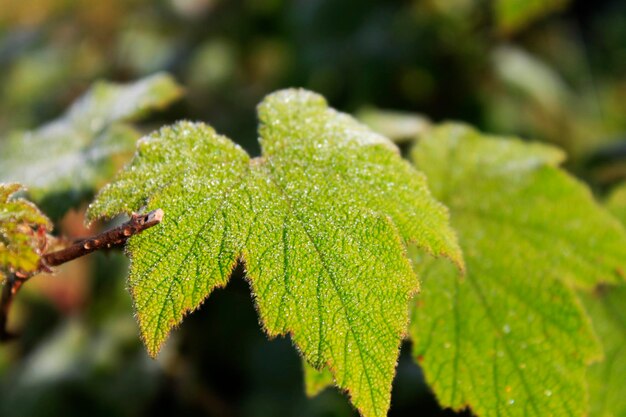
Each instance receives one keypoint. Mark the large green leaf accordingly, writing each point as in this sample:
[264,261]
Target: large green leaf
[22,232]
[321,220]
[75,152]
[511,338]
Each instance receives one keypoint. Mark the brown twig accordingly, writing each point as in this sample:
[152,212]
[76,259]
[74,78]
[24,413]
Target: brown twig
[10,288]
[109,239]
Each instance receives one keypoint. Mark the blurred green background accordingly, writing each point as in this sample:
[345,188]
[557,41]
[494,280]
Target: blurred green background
[549,70]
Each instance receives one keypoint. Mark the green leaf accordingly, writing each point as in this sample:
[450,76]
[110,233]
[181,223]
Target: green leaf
[316,381]
[514,15]
[22,231]
[607,308]
[528,76]
[617,203]
[396,125]
[511,338]
[321,220]
[75,153]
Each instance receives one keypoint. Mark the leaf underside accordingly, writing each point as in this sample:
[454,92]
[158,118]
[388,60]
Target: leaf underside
[20,239]
[76,152]
[511,339]
[321,220]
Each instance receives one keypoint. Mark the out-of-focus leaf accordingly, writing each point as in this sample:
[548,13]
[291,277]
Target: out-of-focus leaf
[396,125]
[147,48]
[533,98]
[316,381]
[321,220]
[511,338]
[214,64]
[617,203]
[513,15]
[607,307]
[22,231]
[74,153]
[531,77]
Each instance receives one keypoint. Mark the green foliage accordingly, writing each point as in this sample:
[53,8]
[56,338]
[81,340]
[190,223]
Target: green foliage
[510,66]
[22,231]
[321,220]
[607,308]
[76,152]
[530,77]
[617,203]
[395,125]
[316,381]
[511,337]
[513,15]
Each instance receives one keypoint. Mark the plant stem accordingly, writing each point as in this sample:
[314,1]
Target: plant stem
[105,240]
[9,290]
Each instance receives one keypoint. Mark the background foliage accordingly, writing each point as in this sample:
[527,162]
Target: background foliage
[554,73]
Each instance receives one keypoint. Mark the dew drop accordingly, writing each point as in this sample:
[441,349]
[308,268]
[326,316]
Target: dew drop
[506,329]
[511,401]
[548,393]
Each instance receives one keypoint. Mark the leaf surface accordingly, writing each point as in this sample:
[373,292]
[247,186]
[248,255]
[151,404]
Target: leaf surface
[607,307]
[511,338]
[321,220]
[20,241]
[75,152]
[607,391]
[617,203]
